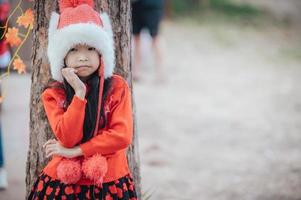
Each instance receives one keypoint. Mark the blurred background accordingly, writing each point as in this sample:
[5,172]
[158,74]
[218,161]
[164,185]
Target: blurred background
[219,119]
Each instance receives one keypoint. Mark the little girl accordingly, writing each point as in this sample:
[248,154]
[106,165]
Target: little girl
[89,110]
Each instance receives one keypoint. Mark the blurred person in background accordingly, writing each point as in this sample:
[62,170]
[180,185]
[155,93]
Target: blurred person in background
[5,57]
[147,14]
[3,175]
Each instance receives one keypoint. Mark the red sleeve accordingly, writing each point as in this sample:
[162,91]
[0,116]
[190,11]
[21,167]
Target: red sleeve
[67,125]
[118,134]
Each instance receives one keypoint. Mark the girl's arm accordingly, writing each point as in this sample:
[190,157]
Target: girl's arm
[119,134]
[54,148]
[67,125]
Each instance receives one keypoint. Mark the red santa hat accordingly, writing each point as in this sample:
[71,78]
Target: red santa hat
[79,23]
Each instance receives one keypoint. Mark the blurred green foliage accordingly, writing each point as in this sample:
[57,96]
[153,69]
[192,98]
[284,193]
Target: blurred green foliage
[226,7]
[180,7]
[231,8]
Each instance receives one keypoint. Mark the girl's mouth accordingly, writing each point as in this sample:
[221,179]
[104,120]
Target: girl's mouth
[81,67]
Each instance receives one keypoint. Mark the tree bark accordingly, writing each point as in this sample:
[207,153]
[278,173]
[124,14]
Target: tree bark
[40,131]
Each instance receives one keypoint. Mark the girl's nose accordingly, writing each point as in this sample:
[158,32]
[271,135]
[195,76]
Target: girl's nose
[83,58]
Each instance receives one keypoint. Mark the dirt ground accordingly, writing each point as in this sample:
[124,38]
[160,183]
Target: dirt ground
[224,126]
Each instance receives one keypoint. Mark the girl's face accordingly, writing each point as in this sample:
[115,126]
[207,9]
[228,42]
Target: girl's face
[84,59]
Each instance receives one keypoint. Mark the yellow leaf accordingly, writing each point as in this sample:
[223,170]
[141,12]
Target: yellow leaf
[12,36]
[26,19]
[19,65]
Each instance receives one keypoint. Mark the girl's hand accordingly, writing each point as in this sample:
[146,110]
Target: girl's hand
[54,148]
[70,75]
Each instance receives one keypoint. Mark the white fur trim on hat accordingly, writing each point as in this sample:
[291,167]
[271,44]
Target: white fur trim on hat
[60,41]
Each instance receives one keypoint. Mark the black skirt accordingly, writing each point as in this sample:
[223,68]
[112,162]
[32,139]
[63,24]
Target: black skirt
[48,188]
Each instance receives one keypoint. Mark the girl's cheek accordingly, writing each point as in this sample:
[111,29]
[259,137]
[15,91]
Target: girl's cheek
[70,64]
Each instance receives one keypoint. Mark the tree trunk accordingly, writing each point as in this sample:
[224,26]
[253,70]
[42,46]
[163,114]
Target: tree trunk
[40,131]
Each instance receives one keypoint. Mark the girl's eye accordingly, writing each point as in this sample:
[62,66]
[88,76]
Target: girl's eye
[91,49]
[73,49]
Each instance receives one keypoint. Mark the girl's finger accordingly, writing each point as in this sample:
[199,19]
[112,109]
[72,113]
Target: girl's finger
[46,143]
[50,147]
[49,150]
[51,153]
[54,153]
[52,141]
[68,70]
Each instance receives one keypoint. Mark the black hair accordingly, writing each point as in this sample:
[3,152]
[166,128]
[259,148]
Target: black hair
[92,102]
